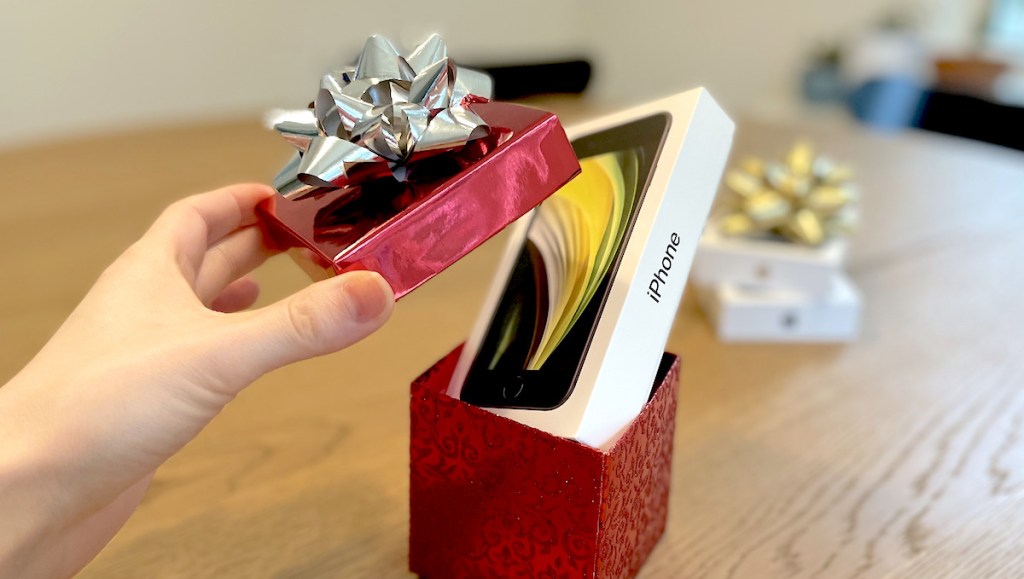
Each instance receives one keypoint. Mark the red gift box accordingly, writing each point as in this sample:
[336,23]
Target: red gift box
[409,232]
[490,497]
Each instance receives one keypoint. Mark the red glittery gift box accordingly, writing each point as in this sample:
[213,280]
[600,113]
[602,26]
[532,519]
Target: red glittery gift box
[490,497]
[450,204]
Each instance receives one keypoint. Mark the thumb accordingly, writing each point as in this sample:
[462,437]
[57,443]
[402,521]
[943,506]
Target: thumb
[325,317]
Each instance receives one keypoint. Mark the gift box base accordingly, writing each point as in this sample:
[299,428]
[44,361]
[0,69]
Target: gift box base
[490,497]
[768,263]
[743,314]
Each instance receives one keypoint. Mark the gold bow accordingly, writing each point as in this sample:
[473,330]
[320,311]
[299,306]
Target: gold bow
[805,199]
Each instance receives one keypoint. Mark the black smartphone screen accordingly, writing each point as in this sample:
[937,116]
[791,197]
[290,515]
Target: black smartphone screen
[534,347]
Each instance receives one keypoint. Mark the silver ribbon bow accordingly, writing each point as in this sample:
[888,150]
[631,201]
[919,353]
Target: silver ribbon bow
[372,119]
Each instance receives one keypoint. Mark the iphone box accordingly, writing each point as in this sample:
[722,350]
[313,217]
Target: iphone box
[751,314]
[577,361]
[768,263]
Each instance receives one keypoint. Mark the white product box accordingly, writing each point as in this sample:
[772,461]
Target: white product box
[626,345]
[768,263]
[744,314]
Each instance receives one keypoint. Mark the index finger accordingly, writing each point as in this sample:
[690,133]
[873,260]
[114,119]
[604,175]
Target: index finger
[190,226]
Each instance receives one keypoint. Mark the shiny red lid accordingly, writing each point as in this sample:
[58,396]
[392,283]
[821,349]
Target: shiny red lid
[409,232]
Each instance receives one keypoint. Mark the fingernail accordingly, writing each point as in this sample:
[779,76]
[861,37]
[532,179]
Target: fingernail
[369,296]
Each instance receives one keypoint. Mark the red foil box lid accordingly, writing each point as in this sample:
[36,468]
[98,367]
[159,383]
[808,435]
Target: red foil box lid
[490,497]
[409,232]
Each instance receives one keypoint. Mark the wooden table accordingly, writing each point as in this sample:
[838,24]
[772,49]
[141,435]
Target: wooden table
[900,455]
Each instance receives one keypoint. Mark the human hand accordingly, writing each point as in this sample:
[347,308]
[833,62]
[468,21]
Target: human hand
[153,353]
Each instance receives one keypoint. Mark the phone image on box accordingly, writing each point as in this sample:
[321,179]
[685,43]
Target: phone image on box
[535,345]
[575,324]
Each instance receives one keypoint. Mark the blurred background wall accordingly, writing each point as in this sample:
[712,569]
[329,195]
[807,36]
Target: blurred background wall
[73,68]
[750,54]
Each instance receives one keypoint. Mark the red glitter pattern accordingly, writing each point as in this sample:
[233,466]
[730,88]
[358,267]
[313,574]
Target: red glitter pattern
[490,497]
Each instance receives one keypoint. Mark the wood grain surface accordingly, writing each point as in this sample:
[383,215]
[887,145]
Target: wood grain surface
[901,455]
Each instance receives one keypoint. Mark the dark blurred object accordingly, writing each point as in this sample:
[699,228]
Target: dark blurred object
[822,82]
[525,80]
[973,117]
[965,102]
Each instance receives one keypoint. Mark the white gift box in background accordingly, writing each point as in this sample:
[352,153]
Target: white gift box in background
[744,314]
[768,263]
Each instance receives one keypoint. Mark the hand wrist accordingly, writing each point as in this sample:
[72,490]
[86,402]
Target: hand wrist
[27,497]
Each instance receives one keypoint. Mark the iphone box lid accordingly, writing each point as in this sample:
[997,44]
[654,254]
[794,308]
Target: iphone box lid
[768,263]
[626,345]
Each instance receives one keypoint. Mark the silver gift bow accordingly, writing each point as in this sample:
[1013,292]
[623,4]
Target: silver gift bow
[373,118]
